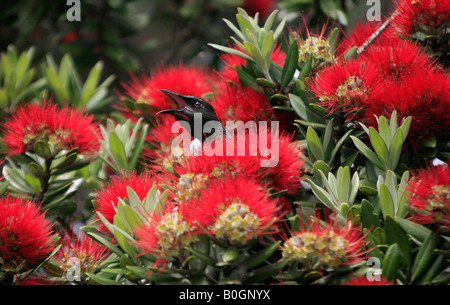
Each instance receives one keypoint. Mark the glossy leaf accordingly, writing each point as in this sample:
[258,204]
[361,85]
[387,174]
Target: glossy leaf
[290,64]
[391,262]
[425,256]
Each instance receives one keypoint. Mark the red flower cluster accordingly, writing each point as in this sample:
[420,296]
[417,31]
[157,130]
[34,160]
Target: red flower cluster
[412,15]
[429,196]
[239,103]
[182,79]
[25,234]
[88,252]
[364,281]
[391,75]
[263,7]
[234,208]
[318,246]
[62,128]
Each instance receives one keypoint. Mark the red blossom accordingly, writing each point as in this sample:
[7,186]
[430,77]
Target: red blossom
[357,36]
[235,208]
[108,196]
[423,95]
[63,128]
[394,59]
[36,280]
[319,245]
[83,248]
[263,7]
[165,235]
[239,103]
[346,86]
[277,162]
[70,37]
[162,155]
[429,196]
[182,79]
[414,14]
[364,281]
[25,233]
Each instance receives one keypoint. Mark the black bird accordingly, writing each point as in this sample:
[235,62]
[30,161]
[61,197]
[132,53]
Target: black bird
[188,107]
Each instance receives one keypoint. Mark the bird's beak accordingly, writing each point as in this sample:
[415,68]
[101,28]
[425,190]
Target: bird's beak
[181,103]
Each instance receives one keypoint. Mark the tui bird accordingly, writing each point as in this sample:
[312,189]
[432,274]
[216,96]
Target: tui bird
[192,108]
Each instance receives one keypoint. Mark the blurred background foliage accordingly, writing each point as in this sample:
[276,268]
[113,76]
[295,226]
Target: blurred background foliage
[116,37]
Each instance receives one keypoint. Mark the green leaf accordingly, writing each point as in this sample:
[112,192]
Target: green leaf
[230,255]
[154,276]
[386,202]
[368,187]
[405,127]
[351,54]
[265,272]
[314,144]
[395,234]
[368,217]
[369,154]
[344,184]
[432,271]
[424,256]
[118,150]
[230,50]
[379,145]
[307,66]
[290,64]
[323,196]
[395,149]
[391,262]
[106,243]
[36,169]
[42,149]
[416,230]
[259,257]
[339,145]
[322,166]
[101,280]
[202,256]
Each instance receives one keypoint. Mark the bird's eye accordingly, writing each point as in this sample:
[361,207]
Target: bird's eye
[198,104]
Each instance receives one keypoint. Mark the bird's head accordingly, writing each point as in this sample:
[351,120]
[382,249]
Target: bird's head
[187,106]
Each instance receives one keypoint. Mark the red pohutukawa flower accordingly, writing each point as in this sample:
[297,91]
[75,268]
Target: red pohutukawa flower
[364,281]
[413,15]
[25,234]
[319,246]
[360,33]
[235,209]
[108,197]
[429,196]
[228,72]
[397,58]
[84,250]
[62,128]
[182,79]
[346,86]
[274,162]
[239,103]
[423,95]
[161,136]
[263,7]
[35,280]
[166,236]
